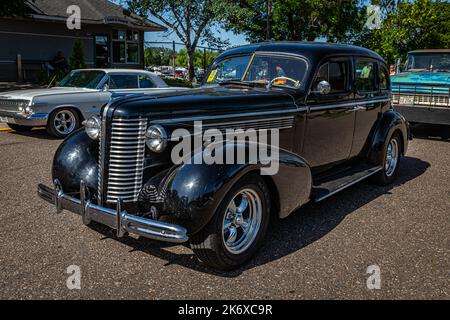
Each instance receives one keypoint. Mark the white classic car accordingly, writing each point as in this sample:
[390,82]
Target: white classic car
[81,94]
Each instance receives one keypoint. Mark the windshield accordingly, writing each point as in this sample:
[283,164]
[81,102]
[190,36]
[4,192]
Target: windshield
[428,62]
[265,69]
[82,79]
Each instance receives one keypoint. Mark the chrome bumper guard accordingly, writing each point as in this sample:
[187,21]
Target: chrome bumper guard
[117,219]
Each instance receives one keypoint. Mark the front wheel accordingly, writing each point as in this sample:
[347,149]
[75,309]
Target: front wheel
[238,227]
[63,122]
[391,161]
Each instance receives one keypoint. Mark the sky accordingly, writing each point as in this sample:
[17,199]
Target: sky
[234,39]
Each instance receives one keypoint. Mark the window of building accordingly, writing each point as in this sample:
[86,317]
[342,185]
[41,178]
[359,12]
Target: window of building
[336,74]
[365,76]
[125,46]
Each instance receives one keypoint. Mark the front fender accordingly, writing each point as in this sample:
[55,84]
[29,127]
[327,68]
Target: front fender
[192,192]
[77,159]
[389,122]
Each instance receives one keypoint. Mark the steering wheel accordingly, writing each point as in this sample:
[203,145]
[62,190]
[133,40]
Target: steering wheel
[295,82]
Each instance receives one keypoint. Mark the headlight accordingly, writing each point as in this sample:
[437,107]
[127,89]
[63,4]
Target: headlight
[156,138]
[92,127]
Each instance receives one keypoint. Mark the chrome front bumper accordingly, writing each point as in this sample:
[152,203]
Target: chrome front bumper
[34,120]
[117,219]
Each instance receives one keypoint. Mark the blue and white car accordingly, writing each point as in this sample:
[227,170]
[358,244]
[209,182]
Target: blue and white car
[421,91]
[80,95]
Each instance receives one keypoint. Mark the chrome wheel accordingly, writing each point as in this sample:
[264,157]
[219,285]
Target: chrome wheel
[392,154]
[242,221]
[64,122]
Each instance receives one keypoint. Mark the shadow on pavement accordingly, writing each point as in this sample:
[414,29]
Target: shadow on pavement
[310,223]
[40,133]
[431,132]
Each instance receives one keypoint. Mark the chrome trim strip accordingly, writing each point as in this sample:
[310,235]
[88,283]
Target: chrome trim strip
[346,104]
[225,116]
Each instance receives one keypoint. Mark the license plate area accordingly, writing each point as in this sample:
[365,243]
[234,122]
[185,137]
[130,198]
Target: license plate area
[406,100]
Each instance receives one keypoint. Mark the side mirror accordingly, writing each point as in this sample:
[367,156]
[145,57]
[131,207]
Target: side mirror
[323,87]
[105,87]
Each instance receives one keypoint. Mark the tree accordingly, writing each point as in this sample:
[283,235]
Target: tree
[13,8]
[77,59]
[158,56]
[192,21]
[182,58]
[422,24]
[298,20]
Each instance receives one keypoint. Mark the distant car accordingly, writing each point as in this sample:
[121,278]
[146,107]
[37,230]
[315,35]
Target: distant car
[421,91]
[80,95]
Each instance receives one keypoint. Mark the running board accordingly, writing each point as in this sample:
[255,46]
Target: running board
[342,180]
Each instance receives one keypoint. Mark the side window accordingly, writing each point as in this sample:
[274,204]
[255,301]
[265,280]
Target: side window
[123,81]
[335,73]
[384,77]
[365,76]
[145,82]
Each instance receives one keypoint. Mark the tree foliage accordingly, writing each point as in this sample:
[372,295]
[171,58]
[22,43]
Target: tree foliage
[422,24]
[192,21]
[298,20]
[77,60]
[13,8]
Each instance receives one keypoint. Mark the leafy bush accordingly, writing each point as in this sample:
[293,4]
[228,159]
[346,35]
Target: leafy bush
[176,82]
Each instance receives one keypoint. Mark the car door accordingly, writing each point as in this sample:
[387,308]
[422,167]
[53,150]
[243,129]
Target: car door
[368,99]
[330,119]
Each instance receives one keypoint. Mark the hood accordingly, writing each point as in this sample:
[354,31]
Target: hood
[32,93]
[421,82]
[204,101]
[426,78]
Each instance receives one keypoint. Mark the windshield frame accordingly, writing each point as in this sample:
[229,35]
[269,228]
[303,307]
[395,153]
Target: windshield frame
[252,56]
[98,85]
[431,55]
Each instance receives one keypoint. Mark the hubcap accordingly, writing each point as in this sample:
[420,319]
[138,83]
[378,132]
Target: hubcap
[391,157]
[64,122]
[242,221]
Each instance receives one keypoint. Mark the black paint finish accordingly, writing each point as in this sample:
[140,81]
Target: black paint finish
[325,131]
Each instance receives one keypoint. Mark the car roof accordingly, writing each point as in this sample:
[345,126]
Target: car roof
[156,78]
[313,51]
[111,70]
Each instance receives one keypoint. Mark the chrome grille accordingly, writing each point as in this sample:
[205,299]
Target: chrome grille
[126,159]
[436,100]
[11,105]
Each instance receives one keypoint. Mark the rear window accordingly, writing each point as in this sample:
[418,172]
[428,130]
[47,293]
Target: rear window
[123,81]
[365,76]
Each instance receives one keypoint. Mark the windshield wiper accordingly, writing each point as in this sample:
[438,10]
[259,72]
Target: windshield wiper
[243,83]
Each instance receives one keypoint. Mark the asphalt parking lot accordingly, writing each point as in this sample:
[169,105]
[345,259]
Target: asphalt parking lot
[322,251]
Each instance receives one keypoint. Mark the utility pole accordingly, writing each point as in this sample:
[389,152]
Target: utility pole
[269,18]
[174,57]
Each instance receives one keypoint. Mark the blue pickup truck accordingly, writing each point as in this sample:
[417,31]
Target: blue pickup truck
[421,90]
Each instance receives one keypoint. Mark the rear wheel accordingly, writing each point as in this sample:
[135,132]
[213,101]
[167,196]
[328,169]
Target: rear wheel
[63,122]
[391,161]
[19,128]
[238,227]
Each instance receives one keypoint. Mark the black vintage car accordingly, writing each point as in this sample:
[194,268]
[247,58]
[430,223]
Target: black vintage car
[329,104]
